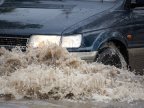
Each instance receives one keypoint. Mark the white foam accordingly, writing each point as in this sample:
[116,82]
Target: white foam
[52,73]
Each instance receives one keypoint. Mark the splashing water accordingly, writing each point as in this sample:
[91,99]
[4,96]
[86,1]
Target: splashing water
[53,73]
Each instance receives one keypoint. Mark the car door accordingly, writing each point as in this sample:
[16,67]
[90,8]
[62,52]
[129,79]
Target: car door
[137,18]
[136,43]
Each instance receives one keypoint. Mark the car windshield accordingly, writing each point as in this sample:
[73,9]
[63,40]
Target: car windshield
[102,0]
[87,0]
[66,0]
[8,1]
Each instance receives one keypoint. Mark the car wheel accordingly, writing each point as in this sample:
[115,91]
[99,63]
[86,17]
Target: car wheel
[109,54]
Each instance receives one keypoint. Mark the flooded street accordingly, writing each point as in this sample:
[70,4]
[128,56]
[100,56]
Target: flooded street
[39,40]
[33,78]
[66,104]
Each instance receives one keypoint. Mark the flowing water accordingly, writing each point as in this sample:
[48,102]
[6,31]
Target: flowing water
[51,73]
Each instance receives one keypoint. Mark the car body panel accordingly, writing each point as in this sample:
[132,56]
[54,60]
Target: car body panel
[45,17]
[136,45]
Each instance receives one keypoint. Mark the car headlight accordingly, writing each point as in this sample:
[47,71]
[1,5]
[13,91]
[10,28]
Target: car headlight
[40,40]
[73,41]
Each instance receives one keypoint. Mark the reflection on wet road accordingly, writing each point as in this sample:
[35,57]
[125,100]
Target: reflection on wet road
[67,104]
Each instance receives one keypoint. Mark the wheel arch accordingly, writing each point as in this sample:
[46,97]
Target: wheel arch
[117,38]
[120,45]
[122,48]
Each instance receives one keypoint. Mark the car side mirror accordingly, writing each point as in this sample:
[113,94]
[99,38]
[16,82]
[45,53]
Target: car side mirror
[137,3]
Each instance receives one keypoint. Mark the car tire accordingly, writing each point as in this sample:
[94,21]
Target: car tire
[109,54]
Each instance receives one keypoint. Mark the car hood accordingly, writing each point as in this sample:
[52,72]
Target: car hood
[45,16]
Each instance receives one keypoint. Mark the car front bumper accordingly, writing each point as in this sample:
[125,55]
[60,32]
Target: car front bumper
[87,56]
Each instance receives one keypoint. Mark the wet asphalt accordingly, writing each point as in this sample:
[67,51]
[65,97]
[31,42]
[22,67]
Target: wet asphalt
[68,104]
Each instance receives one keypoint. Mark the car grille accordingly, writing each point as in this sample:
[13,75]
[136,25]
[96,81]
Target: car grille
[13,41]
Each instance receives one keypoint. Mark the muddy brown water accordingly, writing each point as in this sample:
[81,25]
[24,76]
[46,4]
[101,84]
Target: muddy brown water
[53,73]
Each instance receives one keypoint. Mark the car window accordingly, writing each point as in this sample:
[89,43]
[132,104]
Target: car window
[103,0]
[139,8]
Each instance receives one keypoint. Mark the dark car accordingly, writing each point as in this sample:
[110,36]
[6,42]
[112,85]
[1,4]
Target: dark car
[107,31]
